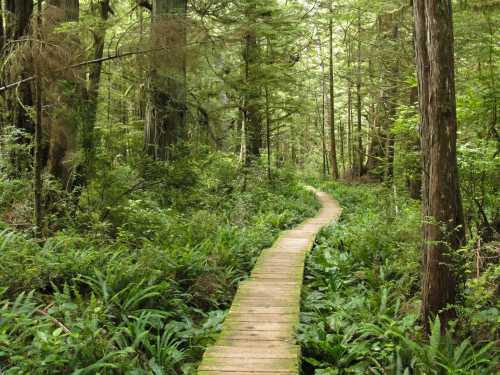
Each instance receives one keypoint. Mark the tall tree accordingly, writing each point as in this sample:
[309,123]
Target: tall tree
[333,142]
[38,139]
[251,110]
[18,17]
[101,11]
[63,124]
[166,108]
[443,228]
[359,156]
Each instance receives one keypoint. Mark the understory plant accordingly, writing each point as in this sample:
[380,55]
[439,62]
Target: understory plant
[138,281]
[361,301]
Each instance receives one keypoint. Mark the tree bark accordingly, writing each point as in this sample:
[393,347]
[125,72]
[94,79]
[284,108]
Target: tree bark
[333,142]
[37,165]
[92,94]
[443,228]
[19,14]
[350,146]
[18,19]
[268,134]
[359,159]
[251,110]
[165,124]
[62,129]
[323,105]
[381,149]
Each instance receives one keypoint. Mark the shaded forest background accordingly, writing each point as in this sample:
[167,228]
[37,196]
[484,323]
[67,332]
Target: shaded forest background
[150,149]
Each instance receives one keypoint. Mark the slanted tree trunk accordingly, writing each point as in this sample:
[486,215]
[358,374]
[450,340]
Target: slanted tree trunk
[165,124]
[333,142]
[443,228]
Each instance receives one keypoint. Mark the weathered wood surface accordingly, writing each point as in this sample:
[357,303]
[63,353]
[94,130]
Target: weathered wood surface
[259,331]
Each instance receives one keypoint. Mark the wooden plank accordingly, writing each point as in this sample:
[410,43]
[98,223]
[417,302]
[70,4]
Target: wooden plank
[253,364]
[282,327]
[289,351]
[276,318]
[259,331]
[222,372]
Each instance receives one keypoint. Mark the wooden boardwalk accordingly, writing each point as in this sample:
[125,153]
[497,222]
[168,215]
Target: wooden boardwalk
[258,336]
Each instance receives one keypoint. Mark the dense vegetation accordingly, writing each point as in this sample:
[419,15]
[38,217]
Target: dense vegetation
[361,303]
[150,149]
[146,288]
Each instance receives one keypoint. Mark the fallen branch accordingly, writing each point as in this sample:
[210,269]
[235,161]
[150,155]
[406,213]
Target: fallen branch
[44,312]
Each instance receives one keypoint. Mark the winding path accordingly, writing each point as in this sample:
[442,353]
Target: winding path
[258,336]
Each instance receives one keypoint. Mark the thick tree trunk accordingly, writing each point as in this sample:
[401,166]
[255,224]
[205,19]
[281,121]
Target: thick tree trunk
[62,128]
[88,143]
[443,228]
[252,94]
[165,124]
[333,142]
[391,106]
[70,8]
[18,19]
[19,14]
[381,151]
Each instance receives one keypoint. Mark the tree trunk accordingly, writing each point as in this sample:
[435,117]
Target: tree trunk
[19,14]
[359,147]
[350,152]
[251,110]
[323,105]
[92,94]
[37,165]
[62,128]
[333,143]
[443,228]
[381,149]
[165,124]
[70,8]
[268,134]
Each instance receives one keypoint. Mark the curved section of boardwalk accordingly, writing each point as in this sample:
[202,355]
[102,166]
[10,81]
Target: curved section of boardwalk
[258,333]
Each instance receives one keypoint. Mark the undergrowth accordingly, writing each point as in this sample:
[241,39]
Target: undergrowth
[360,310]
[137,281]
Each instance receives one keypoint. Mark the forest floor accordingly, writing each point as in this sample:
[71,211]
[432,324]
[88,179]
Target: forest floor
[259,332]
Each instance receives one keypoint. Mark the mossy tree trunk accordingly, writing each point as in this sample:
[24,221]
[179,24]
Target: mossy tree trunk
[165,123]
[251,110]
[17,26]
[333,141]
[443,228]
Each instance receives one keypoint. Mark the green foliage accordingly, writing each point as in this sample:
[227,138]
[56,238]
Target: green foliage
[140,281]
[361,302]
